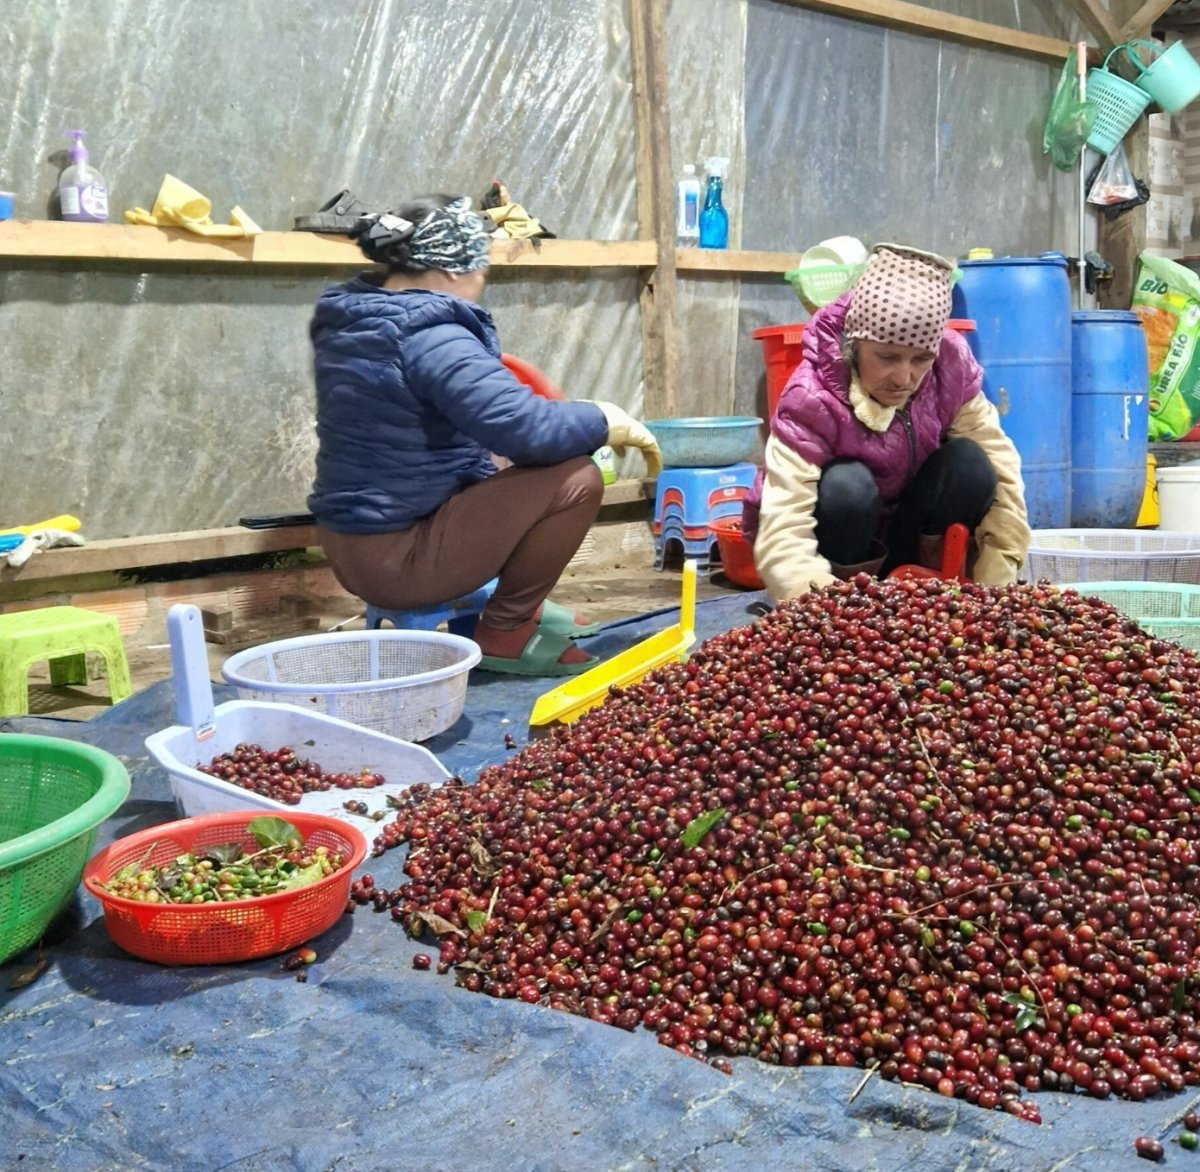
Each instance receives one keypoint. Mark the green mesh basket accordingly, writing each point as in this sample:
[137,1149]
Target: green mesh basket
[1118,104]
[819,285]
[53,795]
[1166,611]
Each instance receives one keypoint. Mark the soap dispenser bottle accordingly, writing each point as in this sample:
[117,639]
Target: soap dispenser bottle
[82,193]
[714,219]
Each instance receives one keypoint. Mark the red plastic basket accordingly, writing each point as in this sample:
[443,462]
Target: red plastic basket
[534,379]
[737,556]
[222,933]
[783,347]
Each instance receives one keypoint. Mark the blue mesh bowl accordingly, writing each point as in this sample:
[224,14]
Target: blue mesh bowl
[706,441]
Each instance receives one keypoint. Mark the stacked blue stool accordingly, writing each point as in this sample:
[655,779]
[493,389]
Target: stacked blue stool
[460,614]
[686,500]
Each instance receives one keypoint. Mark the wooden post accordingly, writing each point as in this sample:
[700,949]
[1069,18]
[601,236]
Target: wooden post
[655,206]
[1120,241]
[945,26]
[1100,22]
[1140,23]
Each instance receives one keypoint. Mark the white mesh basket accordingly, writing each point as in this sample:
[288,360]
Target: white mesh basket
[408,684]
[1113,555]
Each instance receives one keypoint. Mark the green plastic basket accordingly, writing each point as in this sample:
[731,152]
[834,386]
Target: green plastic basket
[53,795]
[1118,104]
[820,285]
[1166,611]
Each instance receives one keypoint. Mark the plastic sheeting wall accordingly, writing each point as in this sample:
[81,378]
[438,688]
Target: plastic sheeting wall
[182,399]
[886,135]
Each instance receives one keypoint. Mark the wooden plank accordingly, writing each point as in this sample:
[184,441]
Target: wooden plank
[199,545]
[655,204]
[711,260]
[161,549]
[1142,21]
[1099,22]
[263,628]
[916,18]
[628,492]
[565,254]
[1120,241]
[54,240]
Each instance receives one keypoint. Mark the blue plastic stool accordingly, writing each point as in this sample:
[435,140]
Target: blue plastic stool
[701,495]
[460,614]
[697,549]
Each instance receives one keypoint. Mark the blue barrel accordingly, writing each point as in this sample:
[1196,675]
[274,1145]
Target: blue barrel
[1022,312]
[1110,418]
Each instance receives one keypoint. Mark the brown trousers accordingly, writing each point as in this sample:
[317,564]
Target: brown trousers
[522,525]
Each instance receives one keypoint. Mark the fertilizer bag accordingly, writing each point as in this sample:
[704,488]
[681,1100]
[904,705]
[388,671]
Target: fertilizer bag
[1166,298]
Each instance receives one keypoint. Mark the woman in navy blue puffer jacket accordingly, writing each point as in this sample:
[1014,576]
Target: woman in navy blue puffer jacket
[412,401]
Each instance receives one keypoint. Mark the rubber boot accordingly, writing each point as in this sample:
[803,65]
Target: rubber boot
[871,566]
[929,551]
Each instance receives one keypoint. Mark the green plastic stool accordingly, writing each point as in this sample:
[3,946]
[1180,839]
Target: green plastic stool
[61,634]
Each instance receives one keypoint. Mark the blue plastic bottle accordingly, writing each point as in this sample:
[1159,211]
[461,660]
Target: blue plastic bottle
[714,219]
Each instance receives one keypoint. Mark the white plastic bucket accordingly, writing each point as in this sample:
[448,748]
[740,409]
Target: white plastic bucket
[1179,497]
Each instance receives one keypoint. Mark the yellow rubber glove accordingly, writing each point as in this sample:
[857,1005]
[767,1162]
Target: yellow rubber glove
[182,206]
[625,431]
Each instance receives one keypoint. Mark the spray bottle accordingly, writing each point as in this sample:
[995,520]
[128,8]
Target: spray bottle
[714,220]
[82,193]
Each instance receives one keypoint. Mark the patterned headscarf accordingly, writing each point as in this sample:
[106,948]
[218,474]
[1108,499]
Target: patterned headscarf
[902,298]
[452,238]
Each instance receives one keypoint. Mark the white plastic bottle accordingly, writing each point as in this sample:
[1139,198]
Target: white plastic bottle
[82,193]
[687,209]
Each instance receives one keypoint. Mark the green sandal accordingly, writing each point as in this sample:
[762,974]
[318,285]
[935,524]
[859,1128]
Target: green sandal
[539,657]
[558,620]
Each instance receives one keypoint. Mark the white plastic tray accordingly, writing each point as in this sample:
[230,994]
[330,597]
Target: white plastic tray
[336,746]
[206,732]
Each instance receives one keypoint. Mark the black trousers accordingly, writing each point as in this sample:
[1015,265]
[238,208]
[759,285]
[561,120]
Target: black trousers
[956,485]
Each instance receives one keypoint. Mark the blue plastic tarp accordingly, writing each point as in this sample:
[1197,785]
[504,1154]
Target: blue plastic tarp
[107,1062]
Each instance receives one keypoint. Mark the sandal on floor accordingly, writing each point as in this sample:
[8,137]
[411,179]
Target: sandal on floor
[559,620]
[539,657]
[337,215]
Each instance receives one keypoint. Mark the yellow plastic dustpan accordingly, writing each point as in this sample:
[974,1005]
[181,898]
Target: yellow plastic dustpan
[571,700]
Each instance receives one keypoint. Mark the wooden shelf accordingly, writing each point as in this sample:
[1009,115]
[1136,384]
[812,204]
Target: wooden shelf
[55,240]
[25,240]
[710,260]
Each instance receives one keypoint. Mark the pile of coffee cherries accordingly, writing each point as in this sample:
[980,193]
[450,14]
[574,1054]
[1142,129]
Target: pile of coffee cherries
[282,776]
[227,876]
[948,832]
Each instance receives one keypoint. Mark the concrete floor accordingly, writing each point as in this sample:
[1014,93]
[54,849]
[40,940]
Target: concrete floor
[600,594]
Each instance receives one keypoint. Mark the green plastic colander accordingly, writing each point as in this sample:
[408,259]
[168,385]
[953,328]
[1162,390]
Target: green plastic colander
[53,795]
[1165,610]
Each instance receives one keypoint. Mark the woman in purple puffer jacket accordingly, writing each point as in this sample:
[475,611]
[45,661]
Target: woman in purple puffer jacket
[883,439]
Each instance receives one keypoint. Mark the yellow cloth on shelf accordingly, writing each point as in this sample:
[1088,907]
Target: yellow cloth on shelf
[178,205]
